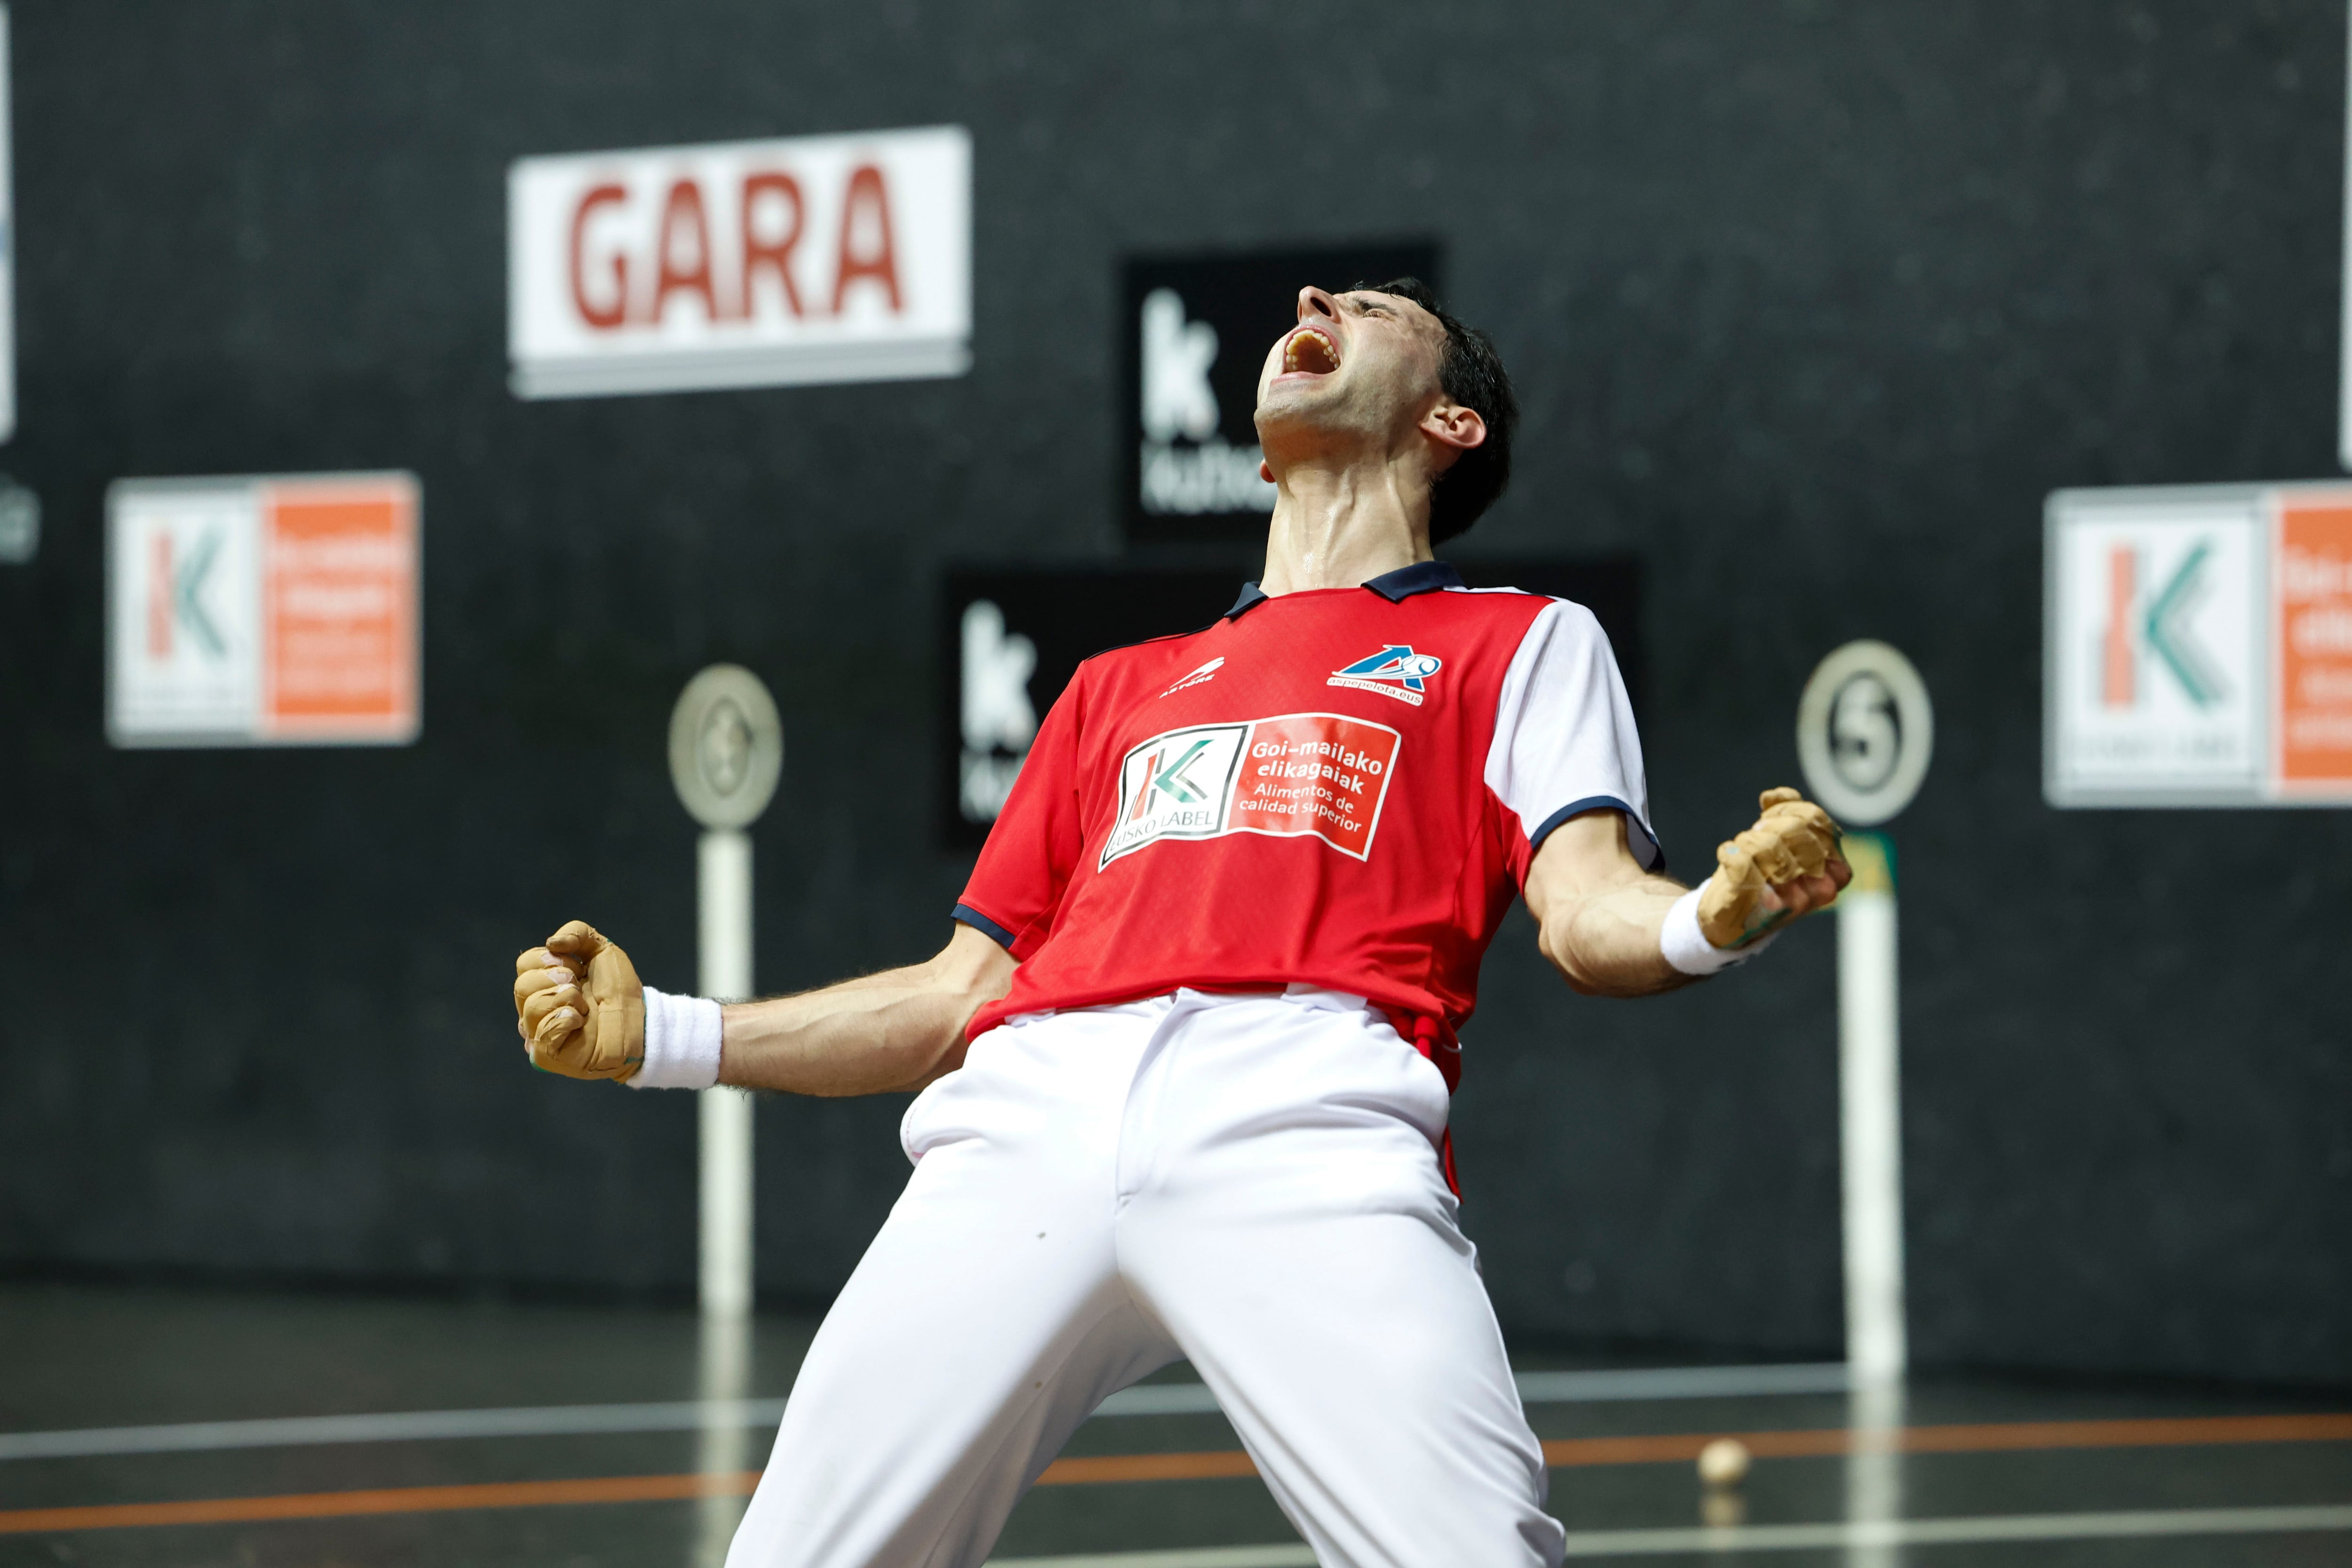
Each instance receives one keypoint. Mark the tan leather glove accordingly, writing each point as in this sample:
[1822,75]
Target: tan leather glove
[1792,838]
[595,1029]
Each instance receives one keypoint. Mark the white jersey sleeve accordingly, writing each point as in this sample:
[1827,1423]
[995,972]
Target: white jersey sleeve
[1564,737]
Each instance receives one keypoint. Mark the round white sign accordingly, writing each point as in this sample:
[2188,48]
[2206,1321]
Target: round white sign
[726,747]
[1864,731]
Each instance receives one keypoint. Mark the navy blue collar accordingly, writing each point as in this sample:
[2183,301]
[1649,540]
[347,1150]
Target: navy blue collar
[1421,577]
[1396,587]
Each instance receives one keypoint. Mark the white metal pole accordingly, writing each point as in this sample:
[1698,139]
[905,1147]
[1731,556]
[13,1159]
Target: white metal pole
[1871,1114]
[1873,1468]
[723,887]
[724,1446]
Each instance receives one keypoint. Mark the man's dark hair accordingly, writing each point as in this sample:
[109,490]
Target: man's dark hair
[1471,374]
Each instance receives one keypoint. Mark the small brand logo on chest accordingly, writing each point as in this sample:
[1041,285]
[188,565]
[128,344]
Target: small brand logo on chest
[1395,672]
[1206,672]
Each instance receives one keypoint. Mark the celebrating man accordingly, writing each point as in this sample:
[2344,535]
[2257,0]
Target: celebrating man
[1185,1060]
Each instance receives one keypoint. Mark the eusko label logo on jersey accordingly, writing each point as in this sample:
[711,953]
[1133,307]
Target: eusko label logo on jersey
[1177,785]
[1395,672]
[1320,775]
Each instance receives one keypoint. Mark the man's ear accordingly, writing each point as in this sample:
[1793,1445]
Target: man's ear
[1453,426]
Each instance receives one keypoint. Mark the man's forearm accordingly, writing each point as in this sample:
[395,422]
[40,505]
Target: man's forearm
[896,1030]
[1607,944]
[1613,930]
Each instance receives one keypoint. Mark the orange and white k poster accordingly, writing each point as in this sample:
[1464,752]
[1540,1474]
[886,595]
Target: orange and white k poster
[263,611]
[2197,646]
[339,600]
[2314,644]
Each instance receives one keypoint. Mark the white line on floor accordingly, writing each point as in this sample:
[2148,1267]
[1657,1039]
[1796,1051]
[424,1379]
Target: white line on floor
[1557,1387]
[1160,1399]
[397,1427]
[687,1415]
[1944,1532]
[1681,1383]
[1797,1537]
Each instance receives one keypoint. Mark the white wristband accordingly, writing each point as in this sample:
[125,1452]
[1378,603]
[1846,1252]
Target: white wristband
[1686,947]
[681,1042]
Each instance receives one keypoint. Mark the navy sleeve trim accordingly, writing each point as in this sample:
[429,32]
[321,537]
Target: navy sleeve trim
[984,926]
[1637,833]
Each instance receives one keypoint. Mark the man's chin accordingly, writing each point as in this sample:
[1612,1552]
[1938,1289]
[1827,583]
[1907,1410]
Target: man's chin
[1315,419]
[1297,403]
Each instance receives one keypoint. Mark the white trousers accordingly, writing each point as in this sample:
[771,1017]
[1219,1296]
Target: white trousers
[1248,1181]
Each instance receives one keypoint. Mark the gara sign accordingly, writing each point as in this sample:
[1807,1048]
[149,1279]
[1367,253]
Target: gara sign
[819,259]
[262,611]
[2198,647]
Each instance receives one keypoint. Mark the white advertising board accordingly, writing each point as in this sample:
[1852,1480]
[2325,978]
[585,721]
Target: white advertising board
[263,611]
[2344,320]
[8,234]
[808,260]
[2197,646]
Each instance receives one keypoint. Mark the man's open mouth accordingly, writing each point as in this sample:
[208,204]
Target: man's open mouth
[1310,350]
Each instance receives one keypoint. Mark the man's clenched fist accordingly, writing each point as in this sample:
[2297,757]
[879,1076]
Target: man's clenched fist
[1788,864]
[594,1028]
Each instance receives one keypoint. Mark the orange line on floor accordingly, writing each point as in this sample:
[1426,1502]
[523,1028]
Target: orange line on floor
[2159,1433]
[1206,1465]
[1202,1465]
[1987,1438]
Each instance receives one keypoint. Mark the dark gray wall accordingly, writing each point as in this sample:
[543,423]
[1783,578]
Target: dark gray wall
[1810,304]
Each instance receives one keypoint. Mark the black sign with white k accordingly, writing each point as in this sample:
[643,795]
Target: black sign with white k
[1194,333]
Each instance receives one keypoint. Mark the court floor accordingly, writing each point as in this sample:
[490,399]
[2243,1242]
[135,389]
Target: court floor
[189,1428]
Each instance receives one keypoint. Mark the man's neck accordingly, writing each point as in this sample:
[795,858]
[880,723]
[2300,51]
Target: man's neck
[1338,525]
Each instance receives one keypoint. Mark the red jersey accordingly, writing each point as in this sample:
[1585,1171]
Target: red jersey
[1339,787]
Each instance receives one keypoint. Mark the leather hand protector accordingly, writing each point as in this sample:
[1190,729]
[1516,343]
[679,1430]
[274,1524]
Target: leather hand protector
[1792,838]
[594,1028]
